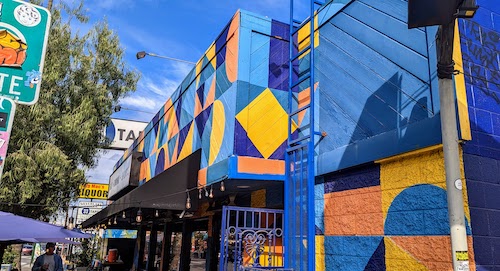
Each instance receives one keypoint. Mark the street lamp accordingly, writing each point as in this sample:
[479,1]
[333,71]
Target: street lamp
[143,54]
[119,108]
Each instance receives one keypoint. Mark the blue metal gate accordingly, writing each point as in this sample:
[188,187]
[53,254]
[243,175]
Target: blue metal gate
[251,239]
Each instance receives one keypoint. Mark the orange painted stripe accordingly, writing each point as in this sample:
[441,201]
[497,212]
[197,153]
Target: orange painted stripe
[260,166]
[202,176]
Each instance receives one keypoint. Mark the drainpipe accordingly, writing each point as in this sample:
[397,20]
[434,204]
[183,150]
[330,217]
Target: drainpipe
[449,132]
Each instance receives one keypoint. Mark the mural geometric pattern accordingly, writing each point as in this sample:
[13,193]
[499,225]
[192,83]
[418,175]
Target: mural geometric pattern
[217,110]
[397,221]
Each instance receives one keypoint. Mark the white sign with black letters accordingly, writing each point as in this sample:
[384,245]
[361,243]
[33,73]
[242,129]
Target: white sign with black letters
[122,133]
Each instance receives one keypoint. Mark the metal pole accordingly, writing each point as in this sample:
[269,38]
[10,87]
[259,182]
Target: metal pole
[171,58]
[449,132]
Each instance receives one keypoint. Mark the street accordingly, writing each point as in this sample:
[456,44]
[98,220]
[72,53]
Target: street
[25,263]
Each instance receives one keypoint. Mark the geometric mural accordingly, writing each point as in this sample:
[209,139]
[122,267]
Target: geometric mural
[381,198]
[390,215]
[226,106]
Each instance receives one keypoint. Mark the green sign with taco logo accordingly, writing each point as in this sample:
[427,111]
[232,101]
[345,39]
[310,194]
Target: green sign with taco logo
[24,29]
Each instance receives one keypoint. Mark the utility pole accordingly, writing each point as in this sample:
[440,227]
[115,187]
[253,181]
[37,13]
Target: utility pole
[444,13]
[456,215]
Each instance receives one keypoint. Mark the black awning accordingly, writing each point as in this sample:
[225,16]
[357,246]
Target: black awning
[166,191]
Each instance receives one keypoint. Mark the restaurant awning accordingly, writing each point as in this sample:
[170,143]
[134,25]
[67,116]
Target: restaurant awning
[166,191]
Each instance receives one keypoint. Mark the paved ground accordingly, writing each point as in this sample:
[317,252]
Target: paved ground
[197,264]
[25,263]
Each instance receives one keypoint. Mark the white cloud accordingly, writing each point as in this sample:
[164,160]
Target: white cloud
[136,101]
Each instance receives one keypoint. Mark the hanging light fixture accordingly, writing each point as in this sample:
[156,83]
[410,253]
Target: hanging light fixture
[199,193]
[114,221]
[123,215]
[109,221]
[188,200]
[211,195]
[222,187]
[156,213]
[138,217]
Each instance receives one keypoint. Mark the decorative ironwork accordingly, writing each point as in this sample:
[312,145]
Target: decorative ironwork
[251,238]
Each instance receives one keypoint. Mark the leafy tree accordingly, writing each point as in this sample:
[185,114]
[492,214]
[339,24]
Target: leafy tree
[51,141]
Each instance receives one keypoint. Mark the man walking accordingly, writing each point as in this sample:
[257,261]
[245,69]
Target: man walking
[48,261]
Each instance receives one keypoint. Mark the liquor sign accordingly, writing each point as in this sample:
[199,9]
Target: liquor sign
[94,191]
[7,110]
[87,209]
[24,29]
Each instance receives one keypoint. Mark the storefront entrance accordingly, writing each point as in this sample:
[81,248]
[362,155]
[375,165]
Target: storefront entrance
[251,237]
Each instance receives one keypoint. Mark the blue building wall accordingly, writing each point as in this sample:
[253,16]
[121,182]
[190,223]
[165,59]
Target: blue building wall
[377,84]
[480,42]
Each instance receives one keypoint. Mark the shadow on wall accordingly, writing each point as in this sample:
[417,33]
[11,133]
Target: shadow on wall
[391,123]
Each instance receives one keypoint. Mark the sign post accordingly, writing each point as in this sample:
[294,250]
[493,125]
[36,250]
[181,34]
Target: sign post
[24,29]
[7,110]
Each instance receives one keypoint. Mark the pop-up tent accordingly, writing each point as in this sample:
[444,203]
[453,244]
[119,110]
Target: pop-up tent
[19,229]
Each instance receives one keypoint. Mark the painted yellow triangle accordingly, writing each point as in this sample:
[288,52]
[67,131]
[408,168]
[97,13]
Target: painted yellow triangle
[187,148]
[397,259]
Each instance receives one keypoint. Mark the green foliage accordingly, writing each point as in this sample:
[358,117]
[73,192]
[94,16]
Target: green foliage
[83,78]
[10,256]
[88,252]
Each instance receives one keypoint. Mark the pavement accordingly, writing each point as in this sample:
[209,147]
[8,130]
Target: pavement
[25,263]
[197,264]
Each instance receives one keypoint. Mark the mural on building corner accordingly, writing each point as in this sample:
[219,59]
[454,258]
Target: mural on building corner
[226,106]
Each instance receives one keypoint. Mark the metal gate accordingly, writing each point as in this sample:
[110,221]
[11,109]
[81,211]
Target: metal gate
[251,239]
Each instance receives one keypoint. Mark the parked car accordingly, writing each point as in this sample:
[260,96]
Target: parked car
[27,249]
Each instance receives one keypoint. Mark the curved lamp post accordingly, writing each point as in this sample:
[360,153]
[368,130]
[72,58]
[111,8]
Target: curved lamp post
[143,54]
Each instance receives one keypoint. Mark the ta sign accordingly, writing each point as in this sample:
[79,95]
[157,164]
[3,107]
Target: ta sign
[24,29]
[7,110]
[122,133]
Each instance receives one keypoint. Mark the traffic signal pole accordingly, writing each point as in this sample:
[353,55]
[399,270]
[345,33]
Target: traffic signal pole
[456,215]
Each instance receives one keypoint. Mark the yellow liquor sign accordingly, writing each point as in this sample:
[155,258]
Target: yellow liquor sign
[94,191]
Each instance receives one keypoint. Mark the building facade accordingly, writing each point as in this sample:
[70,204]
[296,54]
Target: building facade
[380,192]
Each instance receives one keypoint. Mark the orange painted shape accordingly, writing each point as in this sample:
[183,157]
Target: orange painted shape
[144,173]
[260,166]
[167,162]
[202,176]
[210,95]
[432,251]
[174,155]
[232,49]
[197,106]
[354,212]
[305,99]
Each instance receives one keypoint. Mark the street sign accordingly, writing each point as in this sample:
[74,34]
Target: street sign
[94,191]
[7,110]
[24,29]
[87,209]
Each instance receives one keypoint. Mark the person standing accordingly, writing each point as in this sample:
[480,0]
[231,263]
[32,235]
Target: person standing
[48,261]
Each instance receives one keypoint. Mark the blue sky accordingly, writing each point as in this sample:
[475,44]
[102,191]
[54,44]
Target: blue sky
[178,29]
